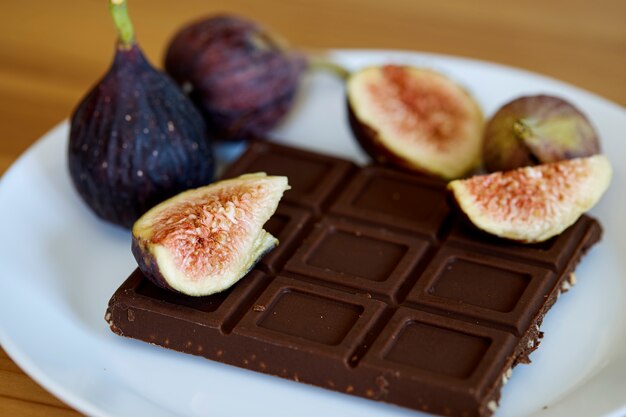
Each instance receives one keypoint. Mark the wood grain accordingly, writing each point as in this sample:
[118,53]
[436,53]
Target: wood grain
[51,52]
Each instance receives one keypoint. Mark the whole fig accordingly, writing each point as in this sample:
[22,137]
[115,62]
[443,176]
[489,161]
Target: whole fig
[242,77]
[135,139]
[535,130]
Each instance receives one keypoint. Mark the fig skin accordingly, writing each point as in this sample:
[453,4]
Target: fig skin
[241,77]
[534,130]
[535,203]
[135,140]
[449,148]
[204,240]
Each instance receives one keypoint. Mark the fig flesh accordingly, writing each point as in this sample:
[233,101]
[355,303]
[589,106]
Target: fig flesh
[535,130]
[534,203]
[416,119]
[135,139]
[240,75]
[204,240]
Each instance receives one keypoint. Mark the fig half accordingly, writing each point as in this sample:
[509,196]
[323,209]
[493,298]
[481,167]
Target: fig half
[416,119]
[204,240]
[533,204]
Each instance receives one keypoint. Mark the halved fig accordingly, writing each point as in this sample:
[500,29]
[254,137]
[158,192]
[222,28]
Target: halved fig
[416,119]
[535,203]
[204,240]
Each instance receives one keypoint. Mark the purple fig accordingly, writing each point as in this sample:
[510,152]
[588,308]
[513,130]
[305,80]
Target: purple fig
[536,130]
[135,139]
[240,75]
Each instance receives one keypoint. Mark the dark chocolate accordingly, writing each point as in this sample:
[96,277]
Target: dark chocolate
[379,288]
[313,177]
[397,200]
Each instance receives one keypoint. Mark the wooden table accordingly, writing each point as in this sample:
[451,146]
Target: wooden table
[51,52]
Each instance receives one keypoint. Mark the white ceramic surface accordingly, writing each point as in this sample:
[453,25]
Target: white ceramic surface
[59,265]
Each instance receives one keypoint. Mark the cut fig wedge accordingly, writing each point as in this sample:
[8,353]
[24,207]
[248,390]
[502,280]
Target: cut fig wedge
[416,119]
[204,240]
[533,204]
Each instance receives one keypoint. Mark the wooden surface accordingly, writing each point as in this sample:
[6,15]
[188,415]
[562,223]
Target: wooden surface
[51,52]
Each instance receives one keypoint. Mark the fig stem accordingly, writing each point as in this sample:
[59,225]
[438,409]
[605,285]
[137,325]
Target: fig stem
[521,129]
[317,62]
[119,12]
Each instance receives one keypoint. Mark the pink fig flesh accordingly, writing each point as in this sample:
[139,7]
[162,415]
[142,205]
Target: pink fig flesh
[202,241]
[534,203]
[416,119]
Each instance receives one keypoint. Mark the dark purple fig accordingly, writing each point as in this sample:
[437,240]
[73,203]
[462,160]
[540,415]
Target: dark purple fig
[135,139]
[537,130]
[533,203]
[241,76]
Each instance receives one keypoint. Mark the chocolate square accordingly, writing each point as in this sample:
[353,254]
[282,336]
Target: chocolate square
[477,287]
[395,199]
[313,178]
[424,373]
[380,260]
[303,317]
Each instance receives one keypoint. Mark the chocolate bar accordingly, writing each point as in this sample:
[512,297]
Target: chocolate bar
[379,288]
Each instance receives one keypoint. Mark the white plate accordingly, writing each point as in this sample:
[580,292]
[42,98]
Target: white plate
[59,266]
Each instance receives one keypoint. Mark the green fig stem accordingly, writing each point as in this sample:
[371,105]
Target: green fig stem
[119,11]
[521,130]
[317,62]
